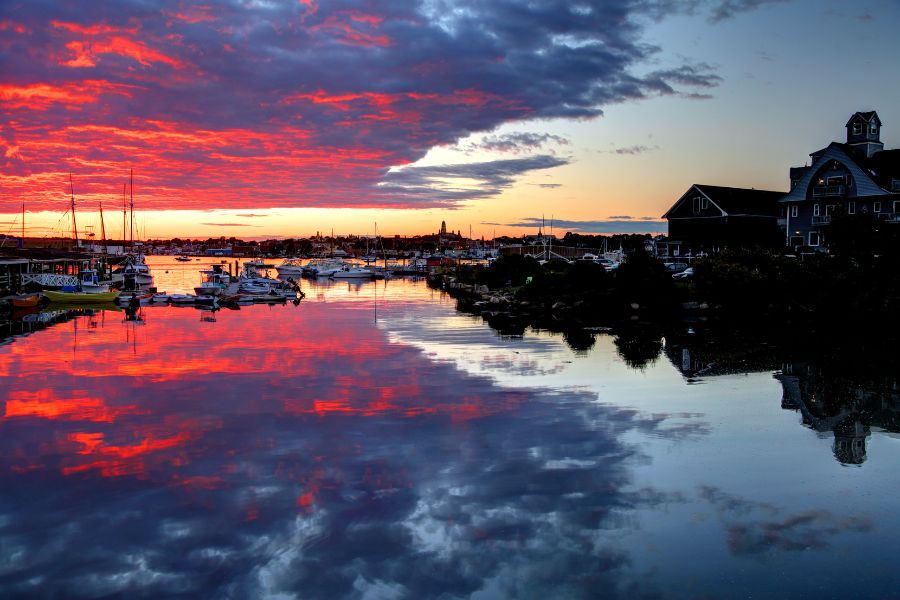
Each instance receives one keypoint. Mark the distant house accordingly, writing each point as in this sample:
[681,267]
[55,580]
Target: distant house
[855,177]
[709,218]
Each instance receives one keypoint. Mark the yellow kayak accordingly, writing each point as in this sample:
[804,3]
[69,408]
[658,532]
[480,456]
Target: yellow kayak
[80,297]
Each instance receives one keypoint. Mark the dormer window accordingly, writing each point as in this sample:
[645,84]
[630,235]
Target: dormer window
[857,128]
[873,128]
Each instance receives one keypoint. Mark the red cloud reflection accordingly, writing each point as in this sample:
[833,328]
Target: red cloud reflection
[48,405]
[158,403]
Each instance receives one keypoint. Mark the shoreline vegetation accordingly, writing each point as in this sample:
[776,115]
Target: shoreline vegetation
[845,303]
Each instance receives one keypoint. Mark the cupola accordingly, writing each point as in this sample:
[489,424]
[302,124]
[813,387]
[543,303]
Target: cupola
[864,132]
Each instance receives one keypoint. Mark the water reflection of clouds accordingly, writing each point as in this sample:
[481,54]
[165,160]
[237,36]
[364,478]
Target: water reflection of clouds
[472,347]
[757,528]
[297,453]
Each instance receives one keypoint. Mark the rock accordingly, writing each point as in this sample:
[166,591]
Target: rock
[558,306]
[635,306]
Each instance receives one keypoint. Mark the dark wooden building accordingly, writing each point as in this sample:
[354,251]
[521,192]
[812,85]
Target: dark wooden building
[709,218]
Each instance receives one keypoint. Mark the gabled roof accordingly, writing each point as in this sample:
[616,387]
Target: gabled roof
[865,116]
[735,201]
[854,159]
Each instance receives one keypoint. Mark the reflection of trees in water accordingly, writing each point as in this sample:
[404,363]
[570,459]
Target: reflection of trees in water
[638,345]
[580,339]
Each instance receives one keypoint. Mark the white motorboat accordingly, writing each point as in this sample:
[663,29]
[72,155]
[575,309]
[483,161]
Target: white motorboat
[353,273]
[215,280]
[134,270]
[183,258]
[249,287]
[323,267]
[290,266]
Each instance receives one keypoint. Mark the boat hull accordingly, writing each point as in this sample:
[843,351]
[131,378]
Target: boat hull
[25,301]
[208,291]
[80,297]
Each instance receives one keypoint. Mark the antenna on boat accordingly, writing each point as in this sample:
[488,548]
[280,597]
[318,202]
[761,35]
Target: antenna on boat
[74,223]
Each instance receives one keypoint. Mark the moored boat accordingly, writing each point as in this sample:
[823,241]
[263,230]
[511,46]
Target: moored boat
[215,280]
[80,297]
[25,300]
[353,273]
[290,266]
[90,283]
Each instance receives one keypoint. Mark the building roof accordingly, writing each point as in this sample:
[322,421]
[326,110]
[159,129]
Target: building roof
[865,116]
[735,201]
[872,175]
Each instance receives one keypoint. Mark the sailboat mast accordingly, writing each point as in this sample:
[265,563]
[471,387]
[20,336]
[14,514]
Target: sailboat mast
[23,225]
[74,223]
[132,208]
[124,215]
[103,230]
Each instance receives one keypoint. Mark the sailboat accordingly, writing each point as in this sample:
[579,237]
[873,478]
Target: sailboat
[133,273]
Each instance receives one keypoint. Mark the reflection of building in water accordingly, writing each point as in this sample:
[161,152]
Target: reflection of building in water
[700,358]
[834,404]
[850,442]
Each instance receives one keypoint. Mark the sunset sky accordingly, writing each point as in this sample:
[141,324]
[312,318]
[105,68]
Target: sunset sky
[262,118]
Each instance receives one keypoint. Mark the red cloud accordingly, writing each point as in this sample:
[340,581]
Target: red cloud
[345,32]
[39,96]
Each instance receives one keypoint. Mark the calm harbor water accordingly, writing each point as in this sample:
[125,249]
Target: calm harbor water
[373,442]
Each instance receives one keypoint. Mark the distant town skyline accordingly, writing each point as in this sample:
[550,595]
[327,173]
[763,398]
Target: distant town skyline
[261,120]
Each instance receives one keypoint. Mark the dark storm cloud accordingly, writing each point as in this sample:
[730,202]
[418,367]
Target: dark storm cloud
[251,104]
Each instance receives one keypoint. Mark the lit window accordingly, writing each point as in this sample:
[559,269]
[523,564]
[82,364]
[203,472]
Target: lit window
[851,208]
